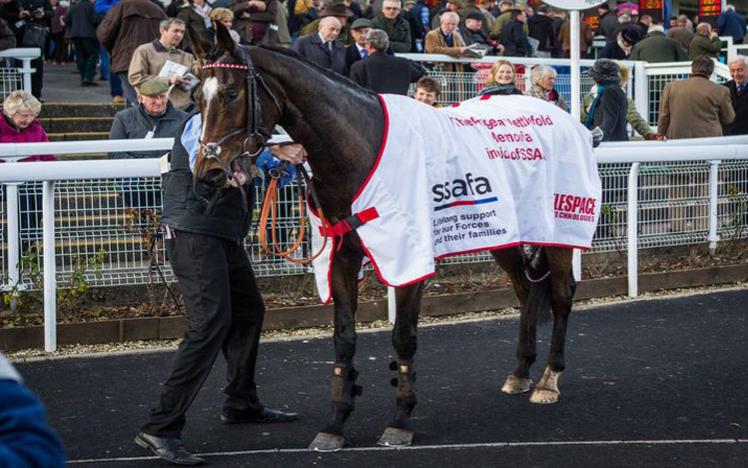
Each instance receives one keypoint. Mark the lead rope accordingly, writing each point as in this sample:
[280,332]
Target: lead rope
[269,209]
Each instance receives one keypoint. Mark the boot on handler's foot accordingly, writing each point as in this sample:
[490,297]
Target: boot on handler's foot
[169,449]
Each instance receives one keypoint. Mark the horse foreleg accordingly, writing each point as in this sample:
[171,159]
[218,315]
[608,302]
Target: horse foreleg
[399,433]
[343,389]
[563,287]
[510,260]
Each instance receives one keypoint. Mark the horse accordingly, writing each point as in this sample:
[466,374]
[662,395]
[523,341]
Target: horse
[245,92]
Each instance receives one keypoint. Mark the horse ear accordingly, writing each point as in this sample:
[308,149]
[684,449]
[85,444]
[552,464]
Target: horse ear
[223,38]
[199,47]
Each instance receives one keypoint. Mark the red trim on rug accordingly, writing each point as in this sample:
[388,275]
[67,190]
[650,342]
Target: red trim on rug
[385,133]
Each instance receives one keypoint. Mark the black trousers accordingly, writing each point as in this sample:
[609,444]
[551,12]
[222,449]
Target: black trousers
[87,55]
[224,314]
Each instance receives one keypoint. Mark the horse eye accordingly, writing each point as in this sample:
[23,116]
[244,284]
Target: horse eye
[232,94]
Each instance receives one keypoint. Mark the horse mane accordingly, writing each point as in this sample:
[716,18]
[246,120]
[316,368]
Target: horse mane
[326,72]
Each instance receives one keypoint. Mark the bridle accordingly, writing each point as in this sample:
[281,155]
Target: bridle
[257,136]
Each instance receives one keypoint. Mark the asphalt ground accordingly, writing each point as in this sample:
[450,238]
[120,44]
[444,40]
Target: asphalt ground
[62,83]
[655,383]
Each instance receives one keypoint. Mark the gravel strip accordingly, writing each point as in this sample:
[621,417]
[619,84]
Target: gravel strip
[105,350]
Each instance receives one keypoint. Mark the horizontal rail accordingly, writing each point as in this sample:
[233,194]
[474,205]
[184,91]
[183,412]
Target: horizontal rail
[678,150]
[21,53]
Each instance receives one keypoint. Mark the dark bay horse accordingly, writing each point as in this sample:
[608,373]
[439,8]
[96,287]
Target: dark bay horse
[341,126]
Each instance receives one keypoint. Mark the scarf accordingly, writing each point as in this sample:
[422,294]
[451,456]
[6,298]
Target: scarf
[204,11]
[589,122]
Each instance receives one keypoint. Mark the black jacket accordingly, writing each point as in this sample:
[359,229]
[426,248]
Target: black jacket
[7,38]
[352,55]
[541,28]
[135,123]
[610,113]
[383,73]
[739,126]
[222,215]
[81,20]
[514,40]
[311,48]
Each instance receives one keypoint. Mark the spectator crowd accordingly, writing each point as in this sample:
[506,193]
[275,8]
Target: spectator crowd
[142,48]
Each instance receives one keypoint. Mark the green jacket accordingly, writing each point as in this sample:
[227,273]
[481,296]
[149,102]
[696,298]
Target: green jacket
[657,48]
[501,21]
[637,122]
[701,45]
[398,31]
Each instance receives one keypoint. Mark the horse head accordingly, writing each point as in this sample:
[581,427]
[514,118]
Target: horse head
[238,110]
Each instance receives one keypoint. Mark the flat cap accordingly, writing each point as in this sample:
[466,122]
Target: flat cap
[361,23]
[152,87]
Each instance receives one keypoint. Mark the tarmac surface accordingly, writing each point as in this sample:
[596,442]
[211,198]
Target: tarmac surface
[62,84]
[651,383]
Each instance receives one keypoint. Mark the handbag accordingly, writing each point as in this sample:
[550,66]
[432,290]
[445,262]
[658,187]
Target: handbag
[34,35]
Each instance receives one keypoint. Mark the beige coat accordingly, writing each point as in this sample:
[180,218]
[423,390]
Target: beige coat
[434,43]
[147,61]
[694,108]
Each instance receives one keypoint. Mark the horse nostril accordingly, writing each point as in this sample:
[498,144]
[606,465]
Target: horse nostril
[215,178]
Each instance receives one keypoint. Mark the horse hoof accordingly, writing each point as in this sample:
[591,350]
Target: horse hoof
[394,437]
[326,442]
[544,396]
[515,385]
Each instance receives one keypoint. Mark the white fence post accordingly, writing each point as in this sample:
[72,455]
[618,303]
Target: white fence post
[391,304]
[50,285]
[713,193]
[14,257]
[632,225]
[641,90]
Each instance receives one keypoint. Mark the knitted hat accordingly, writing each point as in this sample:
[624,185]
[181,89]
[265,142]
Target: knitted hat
[604,70]
[153,87]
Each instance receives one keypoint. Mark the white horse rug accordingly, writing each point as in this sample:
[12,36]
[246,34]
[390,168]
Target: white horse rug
[488,173]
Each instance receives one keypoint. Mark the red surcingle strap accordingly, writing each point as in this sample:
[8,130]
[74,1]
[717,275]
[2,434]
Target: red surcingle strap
[350,223]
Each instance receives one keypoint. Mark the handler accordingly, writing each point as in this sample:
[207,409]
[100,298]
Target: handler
[205,244]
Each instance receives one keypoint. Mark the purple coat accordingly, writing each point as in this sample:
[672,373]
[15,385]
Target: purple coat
[34,133]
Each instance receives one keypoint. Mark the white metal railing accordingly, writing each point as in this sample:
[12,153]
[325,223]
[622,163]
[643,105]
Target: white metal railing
[615,159]
[11,77]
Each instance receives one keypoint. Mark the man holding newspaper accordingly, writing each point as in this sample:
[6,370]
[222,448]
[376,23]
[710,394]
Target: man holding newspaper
[161,58]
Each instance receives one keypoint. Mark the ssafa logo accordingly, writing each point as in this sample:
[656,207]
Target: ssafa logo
[574,207]
[452,192]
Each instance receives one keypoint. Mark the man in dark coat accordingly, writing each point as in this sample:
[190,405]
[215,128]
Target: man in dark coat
[542,29]
[608,22]
[383,73]
[7,38]
[730,23]
[81,22]
[253,20]
[738,87]
[514,37]
[391,21]
[323,48]
[357,51]
[126,26]
[35,15]
[224,307]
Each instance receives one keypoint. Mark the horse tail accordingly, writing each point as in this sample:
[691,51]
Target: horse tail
[537,272]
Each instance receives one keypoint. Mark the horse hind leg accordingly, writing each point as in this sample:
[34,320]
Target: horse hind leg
[562,291]
[343,389]
[511,261]
[399,433]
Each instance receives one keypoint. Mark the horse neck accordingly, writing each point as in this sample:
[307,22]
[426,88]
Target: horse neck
[339,124]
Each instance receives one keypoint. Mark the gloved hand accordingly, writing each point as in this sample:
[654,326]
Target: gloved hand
[597,136]
[271,168]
